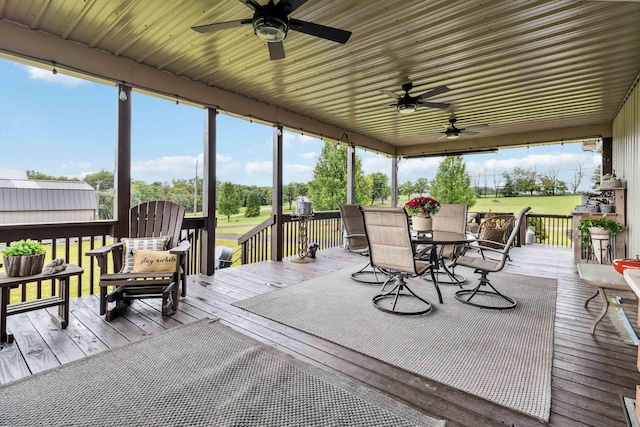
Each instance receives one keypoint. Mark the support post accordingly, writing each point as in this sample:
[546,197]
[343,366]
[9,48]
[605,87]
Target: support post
[122,182]
[607,151]
[207,263]
[277,239]
[351,174]
[394,181]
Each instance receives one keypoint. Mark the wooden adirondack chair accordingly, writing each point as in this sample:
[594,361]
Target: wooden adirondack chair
[152,225]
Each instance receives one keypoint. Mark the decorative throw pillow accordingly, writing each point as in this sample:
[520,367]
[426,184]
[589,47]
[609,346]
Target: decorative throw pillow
[153,261]
[145,243]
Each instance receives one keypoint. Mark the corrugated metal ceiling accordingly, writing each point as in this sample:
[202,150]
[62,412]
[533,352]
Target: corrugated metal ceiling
[519,66]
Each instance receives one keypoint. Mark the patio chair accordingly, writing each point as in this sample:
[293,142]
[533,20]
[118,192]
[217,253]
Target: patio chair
[222,257]
[357,243]
[452,218]
[390,246]
[492,260]
[145,269]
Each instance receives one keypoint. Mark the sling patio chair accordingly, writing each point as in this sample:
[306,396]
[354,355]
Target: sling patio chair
[356,242]
[452,218]
[492,259]
[145,267]
[391,248]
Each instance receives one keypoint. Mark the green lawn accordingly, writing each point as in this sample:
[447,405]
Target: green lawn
[553,205]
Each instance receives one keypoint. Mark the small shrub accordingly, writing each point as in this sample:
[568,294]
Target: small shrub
[23,248]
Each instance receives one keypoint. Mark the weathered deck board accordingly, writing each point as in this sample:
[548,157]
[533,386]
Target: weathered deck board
[589,371]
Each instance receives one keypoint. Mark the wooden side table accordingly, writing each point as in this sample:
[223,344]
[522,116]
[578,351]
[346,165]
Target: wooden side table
[61,300]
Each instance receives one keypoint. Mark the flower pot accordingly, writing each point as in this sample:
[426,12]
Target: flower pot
[19,266]
[420,223]
[600,242]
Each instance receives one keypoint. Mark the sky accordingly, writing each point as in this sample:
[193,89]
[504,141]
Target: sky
[62,125]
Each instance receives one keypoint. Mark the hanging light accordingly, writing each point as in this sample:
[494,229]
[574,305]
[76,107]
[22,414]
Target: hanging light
[54,71]
[123,94]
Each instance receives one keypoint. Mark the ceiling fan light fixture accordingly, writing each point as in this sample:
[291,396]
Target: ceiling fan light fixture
[407,108]
[452,136]
[271,29]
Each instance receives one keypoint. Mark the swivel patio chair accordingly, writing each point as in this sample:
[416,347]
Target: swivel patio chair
[145,269]
[357,243]
[391,248]
[452,218]
[492,260]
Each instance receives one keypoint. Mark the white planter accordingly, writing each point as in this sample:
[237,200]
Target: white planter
[600,241]
[419,223]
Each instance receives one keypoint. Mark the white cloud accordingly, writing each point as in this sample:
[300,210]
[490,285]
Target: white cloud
[312,155]
[260,167]
[412,169]
[48,76]
[219,158]
[371,164]
[181,167]
[307,140]
[75,165]
[542,163]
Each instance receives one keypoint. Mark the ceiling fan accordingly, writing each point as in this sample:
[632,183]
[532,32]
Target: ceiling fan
[271,23]
[453,132]
[408,104]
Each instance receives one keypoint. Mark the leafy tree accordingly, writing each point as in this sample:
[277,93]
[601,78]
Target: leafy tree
[229,200]
[253,205]
[39,175]
[421,186]
[508,188]
[104,178]
[292,190]
[142,192]
[406,189]
[452,183]
[595,178]
[525,180]
[379,186]
[328,188]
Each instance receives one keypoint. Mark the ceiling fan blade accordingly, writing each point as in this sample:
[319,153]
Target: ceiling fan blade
[433,92]
[469,132]
[220,26]
[391,94]
[276,51]
[441,105]
[477,126]
[442,136]
[288,6]
[317,30]
[445,126]
[251,4]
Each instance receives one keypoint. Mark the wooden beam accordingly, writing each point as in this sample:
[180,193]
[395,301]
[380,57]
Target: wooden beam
[394,181]
[549,136]
[123,162]
[207,263]
[351,174]
[277,238]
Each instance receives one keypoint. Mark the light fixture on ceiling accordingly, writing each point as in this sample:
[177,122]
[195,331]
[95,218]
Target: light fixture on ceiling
[54,71]
[269,28]
[123,94]
[407,108]
[452,136]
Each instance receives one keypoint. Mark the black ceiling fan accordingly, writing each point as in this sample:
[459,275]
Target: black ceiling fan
[271,23]
[408,104]
[453,132]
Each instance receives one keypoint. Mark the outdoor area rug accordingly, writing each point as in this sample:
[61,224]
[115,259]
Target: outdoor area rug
[202,374]
[503,356]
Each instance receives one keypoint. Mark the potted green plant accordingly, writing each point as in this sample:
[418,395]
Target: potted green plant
[596,234]
[23,258]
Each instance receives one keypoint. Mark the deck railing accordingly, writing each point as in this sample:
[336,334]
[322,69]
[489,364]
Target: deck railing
[553,230]
[324,228]
[71,240]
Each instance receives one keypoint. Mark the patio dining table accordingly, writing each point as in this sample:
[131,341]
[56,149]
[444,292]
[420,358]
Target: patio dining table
[431,240]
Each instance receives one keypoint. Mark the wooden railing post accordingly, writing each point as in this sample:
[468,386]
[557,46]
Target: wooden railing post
[277,240]
[207,263]
[123,162]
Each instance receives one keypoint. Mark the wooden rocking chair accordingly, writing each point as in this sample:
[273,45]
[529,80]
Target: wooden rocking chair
[153,226]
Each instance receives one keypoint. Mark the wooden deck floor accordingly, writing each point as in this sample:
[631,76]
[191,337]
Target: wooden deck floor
[589,372]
